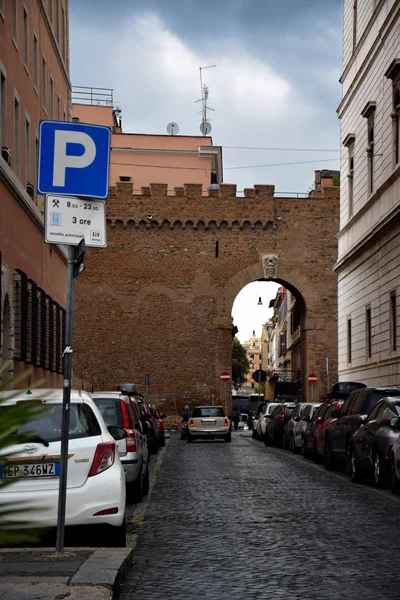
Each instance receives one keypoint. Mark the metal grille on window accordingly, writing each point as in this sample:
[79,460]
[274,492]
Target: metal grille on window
[50,313]
[20,315]
[58,337]
[43,329]
[34,321]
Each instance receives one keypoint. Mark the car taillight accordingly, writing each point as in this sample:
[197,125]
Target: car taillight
[191,424]
[226,423]
[127,425]
[390,452]
[267,419]
[103,458]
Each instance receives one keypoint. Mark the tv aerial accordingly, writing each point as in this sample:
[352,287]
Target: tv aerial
[172,128]
[205,125]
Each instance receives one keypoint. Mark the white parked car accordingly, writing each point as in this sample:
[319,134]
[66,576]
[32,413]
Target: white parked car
[208,422]
[95,483]
[119,410]
[264,418]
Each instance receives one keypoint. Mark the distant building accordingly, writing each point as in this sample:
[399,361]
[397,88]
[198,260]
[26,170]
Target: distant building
[368,264]
[253,351]
[146,158]
[34,85]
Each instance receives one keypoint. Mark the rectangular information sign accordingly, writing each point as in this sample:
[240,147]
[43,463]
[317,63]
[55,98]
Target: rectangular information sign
[68,220]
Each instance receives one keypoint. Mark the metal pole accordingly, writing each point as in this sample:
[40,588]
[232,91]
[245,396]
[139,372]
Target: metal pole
[69,332]
[212,398]
[259,383]
[312,393]
[226,404]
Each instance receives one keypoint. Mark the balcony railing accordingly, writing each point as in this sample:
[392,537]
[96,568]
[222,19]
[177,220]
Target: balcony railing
[94,96]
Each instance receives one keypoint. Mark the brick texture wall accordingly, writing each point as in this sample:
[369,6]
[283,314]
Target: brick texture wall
[158,300]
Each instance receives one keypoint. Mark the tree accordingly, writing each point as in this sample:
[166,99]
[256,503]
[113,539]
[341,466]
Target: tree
[240,364]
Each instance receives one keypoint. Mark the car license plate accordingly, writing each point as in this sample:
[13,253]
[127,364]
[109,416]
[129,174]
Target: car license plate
[208,422]
[32,470]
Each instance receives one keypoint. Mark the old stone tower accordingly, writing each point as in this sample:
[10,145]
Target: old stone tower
[158,300]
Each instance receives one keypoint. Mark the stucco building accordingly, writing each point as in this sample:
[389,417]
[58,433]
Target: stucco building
[146,158]
[368,265]
[254,356]
[34,85]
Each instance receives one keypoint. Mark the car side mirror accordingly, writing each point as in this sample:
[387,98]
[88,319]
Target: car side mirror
[318,420]
[118,433]
[395,422]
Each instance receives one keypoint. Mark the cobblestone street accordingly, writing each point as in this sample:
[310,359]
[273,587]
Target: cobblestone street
[244,521]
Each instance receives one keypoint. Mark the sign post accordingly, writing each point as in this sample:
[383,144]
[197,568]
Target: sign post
[312,380]
[74,160]
[225,378]
[147,386]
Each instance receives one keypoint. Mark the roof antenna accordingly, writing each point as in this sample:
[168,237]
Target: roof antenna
[205,126]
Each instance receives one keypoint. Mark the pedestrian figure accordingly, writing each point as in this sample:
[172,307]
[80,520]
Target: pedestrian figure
[236,419]
[184,422]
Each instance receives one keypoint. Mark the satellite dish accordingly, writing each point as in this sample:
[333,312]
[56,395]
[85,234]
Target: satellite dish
[172,128]
[205,127]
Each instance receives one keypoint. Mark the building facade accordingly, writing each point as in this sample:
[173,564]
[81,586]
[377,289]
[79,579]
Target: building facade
[34,85]
[368,265]
[144,159]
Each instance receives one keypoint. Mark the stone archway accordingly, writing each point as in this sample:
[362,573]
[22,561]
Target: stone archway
[180,261]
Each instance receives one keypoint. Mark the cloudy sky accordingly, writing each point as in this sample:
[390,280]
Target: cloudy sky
[275,84]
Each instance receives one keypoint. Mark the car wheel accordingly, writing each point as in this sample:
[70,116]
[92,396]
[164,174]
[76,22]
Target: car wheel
[161,443]
[354,473]
[228,438]
[330,462]
[266,440]
[134,490]
[395,482]
[146,482]
[380,477]
[347,457]
[114,537]
[189,438]
[291,444]
[254,434]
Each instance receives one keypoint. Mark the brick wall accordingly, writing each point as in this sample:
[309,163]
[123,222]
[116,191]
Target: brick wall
[158,300]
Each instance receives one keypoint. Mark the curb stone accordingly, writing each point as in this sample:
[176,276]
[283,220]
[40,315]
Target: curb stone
[94,573]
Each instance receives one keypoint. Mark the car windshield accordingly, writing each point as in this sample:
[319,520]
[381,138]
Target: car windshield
[212,411]
[47,425]
[270,409]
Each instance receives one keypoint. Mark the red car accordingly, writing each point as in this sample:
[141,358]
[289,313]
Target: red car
[159,424]
[320,431]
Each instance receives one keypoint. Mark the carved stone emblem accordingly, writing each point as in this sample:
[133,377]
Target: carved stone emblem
[270,266]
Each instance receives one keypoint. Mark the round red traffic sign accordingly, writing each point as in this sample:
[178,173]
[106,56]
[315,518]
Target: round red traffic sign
[312,378]
[225,377]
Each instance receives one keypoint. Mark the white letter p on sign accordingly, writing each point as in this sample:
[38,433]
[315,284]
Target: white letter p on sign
[62,160]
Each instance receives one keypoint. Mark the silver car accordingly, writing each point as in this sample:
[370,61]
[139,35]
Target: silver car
[118,409]
[299,427]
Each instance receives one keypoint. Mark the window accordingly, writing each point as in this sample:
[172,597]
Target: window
[26,40]
[20,315]
[27,151]
[349,340]
[51,97]
[2,9]
[63,40]
[375,411]
[369,114]
[3,110]
[393,73]
[58,107]
[208,412]
[393,322]
[349,142]
[17,134]
[44,82]
[14,16]
[35,63]
[354,24]
[368,333]
[58,20]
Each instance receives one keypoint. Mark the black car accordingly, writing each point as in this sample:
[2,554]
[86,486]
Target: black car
[352,415]
[342,389]
[308,442]
[371,446]
[276,425]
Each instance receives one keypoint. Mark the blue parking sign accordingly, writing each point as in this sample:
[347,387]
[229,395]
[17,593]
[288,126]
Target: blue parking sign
[74,159]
